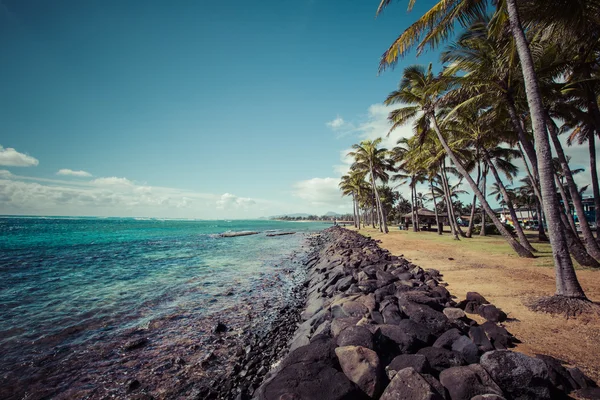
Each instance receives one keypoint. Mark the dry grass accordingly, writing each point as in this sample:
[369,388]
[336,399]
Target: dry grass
[487,265]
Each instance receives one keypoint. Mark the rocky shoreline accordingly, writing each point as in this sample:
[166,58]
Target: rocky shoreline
[375,326]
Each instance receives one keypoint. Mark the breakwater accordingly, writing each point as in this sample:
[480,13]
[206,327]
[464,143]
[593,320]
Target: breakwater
[377,326]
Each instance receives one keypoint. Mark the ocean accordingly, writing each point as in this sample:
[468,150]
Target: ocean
[68,284]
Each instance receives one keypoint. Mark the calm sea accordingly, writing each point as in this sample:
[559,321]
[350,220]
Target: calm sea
[67,281]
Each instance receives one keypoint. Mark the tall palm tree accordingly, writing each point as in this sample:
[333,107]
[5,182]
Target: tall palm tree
[420,91]
[436,25]
[352,184]
[371,159]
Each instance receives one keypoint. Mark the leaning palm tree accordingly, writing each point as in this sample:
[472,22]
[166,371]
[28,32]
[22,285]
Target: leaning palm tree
[436,26]
[371,159]
[420,91]
[352,185]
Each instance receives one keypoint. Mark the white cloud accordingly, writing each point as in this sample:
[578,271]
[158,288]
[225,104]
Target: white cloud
[4,174]
[10,157]
[336,123]
[321,192]
[112,181]
[229,201]
[70,172]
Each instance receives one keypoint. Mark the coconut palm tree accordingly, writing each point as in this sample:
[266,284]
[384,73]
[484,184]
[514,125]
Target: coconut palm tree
[372,160]
[353,184]
[419,91]
[435,26]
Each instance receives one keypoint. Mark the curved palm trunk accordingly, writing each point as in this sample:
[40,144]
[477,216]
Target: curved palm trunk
[472,215]
[517,247]
[448,204]
[520,234]
[354,209]
[418,224]
[590,242]
[382,224]
[437,218]
[538,198]
[566,208]
[566,279]
[576,248]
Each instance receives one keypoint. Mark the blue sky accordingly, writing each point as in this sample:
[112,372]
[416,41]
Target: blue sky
[194,109]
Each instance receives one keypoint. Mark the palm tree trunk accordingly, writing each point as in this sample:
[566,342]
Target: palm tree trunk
[456,225]
[412,210]
[354,209]
[590,242]
[448,204]
[517,247]
[594,172]
[417,222]
[472,215]
[382,224]
[566,279]
[437,218]
[576,248]
[566,208]
[520,234]
[482,232]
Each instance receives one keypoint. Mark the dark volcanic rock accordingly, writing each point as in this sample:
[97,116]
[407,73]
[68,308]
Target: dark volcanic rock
[423,314]
[408,384]
[418,331]
[403,341]
[361,366]
[491,313]
[416,361]
[440,358]
[467,349]
[519,376]
[355,336]
[463,383]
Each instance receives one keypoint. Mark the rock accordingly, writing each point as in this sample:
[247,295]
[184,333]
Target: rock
[476,298]
[491,313]
[135,344]
[339,324]
[440,358]
[454,313]
[423,314]
[580,379]
[559,376]
[391,315]
[478,336]
[436,385]
[519,376]
[344,283]
[353,309]
[361,366]
[320,349]
[488,397]
[408,384]
[404,342]
[132,384]
[355,336]
[385,277]
[418,331]
[308,380]
[467,348]
[447,339]
[422,297]
[323,329]
[500,338]
[416,361]
[463,383]
[591,393]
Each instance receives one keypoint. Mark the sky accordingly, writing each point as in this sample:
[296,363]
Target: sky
[191,109]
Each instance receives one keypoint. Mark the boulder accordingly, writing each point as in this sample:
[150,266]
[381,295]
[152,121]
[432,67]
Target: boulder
[404,342]
[423,314]
[339,324]
[344,283]
[447,339]
[320,349]
[354,309]
[467,349]
[323,329]
[418,331]
[355,336]
[478,336]
[454,313]
[385,278]
[308,380]
[491,313]
[520,377]
[488,397]
[416,361]
[391,314]
[361,366]
[500,338]
[559,376]
[463,383]
[439,358]
[408,384]
[476,298]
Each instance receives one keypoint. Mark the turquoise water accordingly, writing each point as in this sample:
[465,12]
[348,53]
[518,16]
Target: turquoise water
[64,281]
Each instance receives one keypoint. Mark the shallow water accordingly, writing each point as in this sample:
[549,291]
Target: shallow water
[71,282]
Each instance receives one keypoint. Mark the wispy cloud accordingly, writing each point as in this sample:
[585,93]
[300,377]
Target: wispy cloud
[10,157]
[321,192]
[70,172]
[229,201]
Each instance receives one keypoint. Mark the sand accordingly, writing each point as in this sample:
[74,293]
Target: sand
[487,265]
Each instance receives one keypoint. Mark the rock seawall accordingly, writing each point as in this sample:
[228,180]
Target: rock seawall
[375,326]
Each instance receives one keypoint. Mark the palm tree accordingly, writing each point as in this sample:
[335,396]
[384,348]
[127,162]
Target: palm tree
[372,160]
[420,91]
[353,184]
[436,26]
